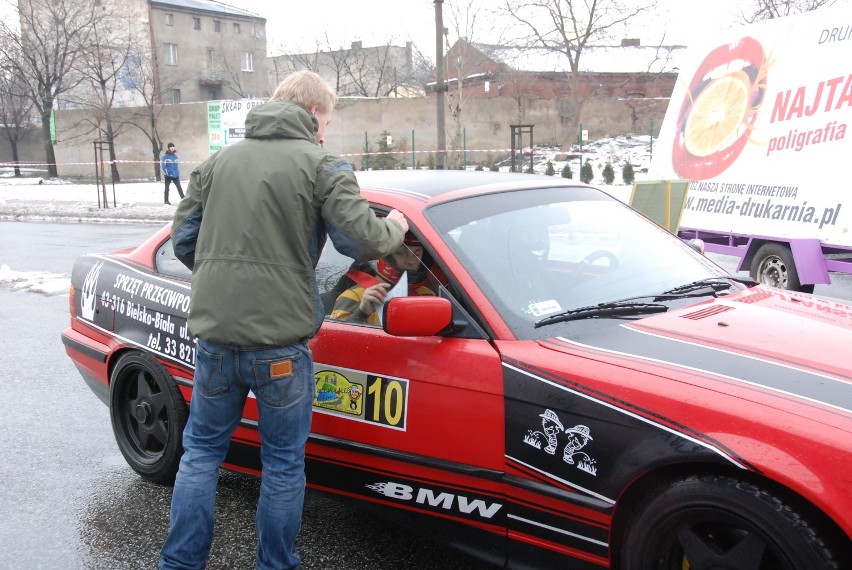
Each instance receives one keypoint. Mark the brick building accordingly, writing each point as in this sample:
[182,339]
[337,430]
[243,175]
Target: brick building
[629,70]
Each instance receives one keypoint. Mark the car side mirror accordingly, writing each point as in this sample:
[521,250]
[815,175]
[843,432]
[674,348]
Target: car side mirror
[417,316]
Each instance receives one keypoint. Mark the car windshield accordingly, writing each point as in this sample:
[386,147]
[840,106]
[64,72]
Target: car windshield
[538,254]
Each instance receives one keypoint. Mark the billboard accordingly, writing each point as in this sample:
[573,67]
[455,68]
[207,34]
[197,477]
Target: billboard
[226,121]
[758,122]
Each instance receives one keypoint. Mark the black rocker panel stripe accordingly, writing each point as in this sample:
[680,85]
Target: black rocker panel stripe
[425,495]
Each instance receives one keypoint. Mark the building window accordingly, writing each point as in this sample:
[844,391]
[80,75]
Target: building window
[487,86]
[173,96]
[171,54]
[255,32]
[170,19]
[217,25]
[247,62]
[196,23]
[236,28]
[208,58]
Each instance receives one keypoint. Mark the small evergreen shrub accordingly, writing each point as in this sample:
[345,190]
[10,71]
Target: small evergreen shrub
[550,171]
[627,174]
[608,173]
[566,172]
[586,172]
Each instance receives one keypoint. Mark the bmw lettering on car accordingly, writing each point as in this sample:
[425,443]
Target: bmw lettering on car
[583,389]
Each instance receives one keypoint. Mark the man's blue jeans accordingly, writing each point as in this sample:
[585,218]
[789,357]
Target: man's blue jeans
[281,379]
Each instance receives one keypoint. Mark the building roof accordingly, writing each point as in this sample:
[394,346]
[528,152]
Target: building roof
[207,6]
[593,59]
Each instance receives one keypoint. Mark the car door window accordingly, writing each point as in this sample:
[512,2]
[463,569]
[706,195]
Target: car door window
[342,281]
[167,264]
[331,275]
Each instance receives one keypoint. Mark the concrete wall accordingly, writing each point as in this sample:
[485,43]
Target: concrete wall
[30,146]
[486,126]
[184,124]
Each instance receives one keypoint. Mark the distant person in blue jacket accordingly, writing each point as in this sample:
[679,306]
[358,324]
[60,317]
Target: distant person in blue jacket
[171,173]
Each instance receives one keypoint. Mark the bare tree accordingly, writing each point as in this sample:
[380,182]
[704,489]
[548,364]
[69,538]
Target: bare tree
[283,65]
[463,18]
[378,71]
[146,117]
[366,69]
[422,69]
[759,10]
[238,65]
[232,67]
[333,60]
[51,37]
[568,27]
[105,65]
[15,106]
[328,61]
[518,85]
[359,71]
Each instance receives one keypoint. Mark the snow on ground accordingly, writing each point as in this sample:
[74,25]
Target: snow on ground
[32,198]
[617,151]
[35,281]
[36,199]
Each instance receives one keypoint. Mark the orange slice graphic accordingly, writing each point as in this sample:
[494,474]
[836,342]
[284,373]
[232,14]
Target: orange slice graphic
[717,114]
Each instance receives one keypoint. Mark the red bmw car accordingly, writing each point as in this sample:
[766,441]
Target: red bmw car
[584,390]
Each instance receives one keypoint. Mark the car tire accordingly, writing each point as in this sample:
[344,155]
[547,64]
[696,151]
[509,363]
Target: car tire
[773,265]
[720,522]
[148,415]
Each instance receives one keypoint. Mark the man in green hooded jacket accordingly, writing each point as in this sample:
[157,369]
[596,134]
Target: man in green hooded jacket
[251,228]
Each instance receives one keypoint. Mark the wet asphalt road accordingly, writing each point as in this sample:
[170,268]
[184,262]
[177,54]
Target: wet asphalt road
[67,498]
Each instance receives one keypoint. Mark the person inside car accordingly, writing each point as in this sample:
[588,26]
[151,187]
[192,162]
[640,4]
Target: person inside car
[360,302]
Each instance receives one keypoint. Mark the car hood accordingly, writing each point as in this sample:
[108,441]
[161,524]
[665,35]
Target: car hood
[791,345]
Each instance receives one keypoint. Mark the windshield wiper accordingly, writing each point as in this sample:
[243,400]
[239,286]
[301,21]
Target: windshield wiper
[614,309]
[632,306]
[709,286]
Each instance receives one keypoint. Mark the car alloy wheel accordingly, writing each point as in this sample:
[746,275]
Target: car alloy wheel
[148,415]
[714,522]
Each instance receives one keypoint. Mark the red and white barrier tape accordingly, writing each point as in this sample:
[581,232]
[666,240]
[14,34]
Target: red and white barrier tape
[28,163]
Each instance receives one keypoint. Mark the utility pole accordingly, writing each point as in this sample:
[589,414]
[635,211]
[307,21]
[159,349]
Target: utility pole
[440,87]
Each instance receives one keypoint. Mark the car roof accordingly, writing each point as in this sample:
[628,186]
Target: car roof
[428,185]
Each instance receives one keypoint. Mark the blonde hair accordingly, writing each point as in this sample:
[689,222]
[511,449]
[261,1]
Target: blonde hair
[307,89]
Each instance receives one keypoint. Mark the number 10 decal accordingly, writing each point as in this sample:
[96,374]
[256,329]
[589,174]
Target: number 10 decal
[361,396]
[385,402]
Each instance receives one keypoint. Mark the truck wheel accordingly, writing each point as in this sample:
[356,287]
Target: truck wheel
[709,521]
[148,415]
[773,265]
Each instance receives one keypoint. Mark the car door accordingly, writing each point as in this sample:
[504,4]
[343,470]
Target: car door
[414,423]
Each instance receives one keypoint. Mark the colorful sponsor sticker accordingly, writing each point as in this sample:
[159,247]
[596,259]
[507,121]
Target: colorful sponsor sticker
[361,396]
